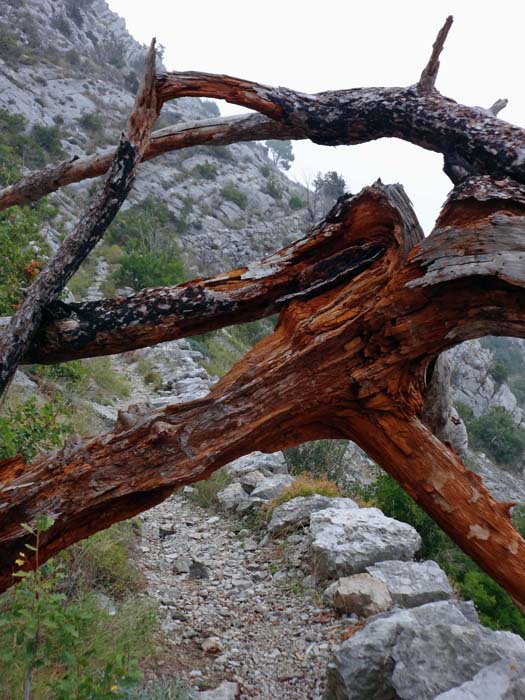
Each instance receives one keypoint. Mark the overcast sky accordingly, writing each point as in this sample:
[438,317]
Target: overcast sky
[331,44]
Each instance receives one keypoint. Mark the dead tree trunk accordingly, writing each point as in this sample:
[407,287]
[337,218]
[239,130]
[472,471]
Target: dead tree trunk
[373,306]
[366,306]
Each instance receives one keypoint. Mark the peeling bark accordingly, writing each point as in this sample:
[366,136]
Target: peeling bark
[349,359]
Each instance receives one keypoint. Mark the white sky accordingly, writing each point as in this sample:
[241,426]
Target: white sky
[331,44]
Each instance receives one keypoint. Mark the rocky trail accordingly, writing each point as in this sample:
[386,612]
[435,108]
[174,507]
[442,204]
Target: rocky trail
[231,609]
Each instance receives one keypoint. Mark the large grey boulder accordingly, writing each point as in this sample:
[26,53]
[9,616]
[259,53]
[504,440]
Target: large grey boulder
[296,513]
[499,681]
[232,497]
[412,583]
[272,486]
[251,479]
[361,595]
[417,654]
[273,463]
[346,541]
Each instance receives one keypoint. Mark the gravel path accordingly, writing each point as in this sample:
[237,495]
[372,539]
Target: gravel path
[263,628]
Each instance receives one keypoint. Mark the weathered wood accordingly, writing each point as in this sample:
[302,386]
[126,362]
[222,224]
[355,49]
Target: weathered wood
[92,224]
[427,81]
[424,118]
[346,360]
[309,266]
[319,262]
[217,132]
[418,114]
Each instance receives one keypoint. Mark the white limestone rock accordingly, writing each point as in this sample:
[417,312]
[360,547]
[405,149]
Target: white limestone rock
[412,583]
[296,513]
[361,595]
[346,541]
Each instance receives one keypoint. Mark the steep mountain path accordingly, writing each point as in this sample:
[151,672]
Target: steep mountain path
[233,609]
[140,392]
[269,632]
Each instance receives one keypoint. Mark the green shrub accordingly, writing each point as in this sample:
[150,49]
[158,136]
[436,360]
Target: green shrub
[517,386]
[29,427]
[204,492]
[131,82]
[496,433]
[141,270]
[320,457]
[296,202]
[93,122]
[10,49]
[148,226]
[495,606]
[396,503]
[73,374]
[59,642]
[224,347]
[233,194]
[274,188]
[305,485]
[281,152]
[499,372]
[109,384]
[206,170]
[21,252]
[102,562]
[47,140]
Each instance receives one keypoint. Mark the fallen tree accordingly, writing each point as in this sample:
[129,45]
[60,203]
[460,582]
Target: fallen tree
[366,305]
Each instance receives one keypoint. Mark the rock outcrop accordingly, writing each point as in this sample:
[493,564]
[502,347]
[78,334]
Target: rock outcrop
[418,654]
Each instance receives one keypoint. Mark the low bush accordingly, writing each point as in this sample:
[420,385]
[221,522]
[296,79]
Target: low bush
[140,270]
[274,188]
[233,194]
[22,252]
[204,492]
[71,374]
[206,170]
[497,434]
[10,48]
[61,641]
[28,427]
[499,372]
[305,485]
[320,457]
[92,122]
[296,202]
[105,384]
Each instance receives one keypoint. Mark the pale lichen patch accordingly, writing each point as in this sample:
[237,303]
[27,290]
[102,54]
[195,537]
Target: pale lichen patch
[478,532]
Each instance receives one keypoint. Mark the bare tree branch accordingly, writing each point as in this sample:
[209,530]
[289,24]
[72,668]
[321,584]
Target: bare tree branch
[17,337]
[216,132]
[424,118]
[427,81]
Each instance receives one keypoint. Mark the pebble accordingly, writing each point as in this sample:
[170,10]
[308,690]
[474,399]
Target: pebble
[243,617]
